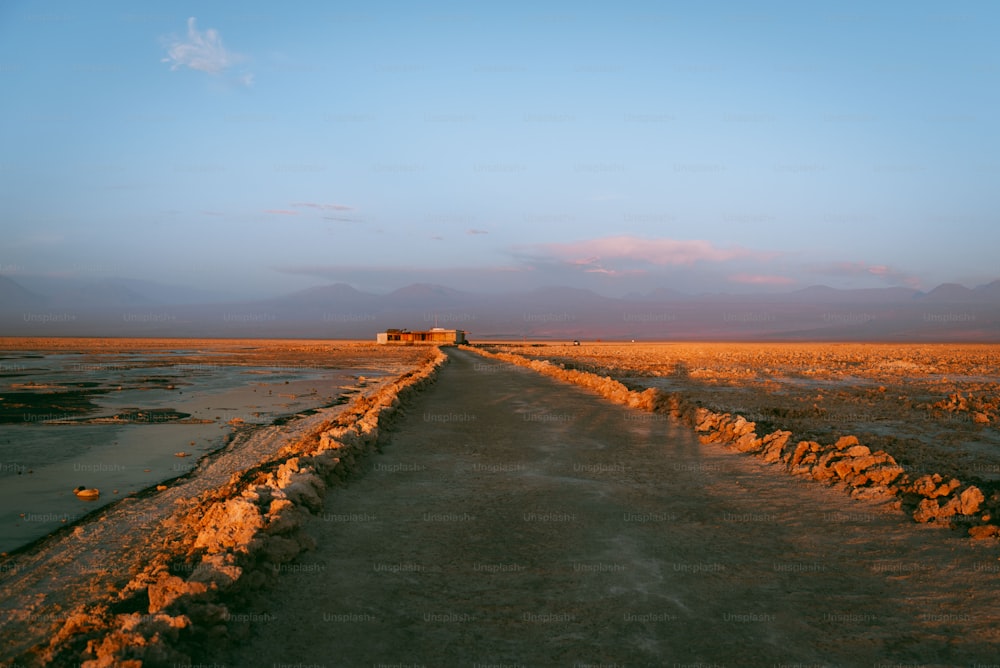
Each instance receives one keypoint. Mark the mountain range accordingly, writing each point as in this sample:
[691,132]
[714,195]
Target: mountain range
[40,306]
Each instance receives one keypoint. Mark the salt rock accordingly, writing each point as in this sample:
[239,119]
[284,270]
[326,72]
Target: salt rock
[930,486]
[926,485]
[134,649]
[827,459]
[930,510]
[287,470]
[884,472]
[844,468]
[706,420]
[845,442]
[773,444]
[857,451]
[280,549]
[748,442]
[823,473]
[161,623]
[229,525]
[741,426]
[802,449]
[283,517]
[169,588]
[971,500]
[306,489]
[324,462]
[948,487]
[218,570]
[984,532]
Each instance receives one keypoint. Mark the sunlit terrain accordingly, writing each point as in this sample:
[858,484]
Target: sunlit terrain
[117,416]
[934,407]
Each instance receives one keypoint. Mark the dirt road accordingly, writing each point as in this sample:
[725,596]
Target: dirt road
[516,521]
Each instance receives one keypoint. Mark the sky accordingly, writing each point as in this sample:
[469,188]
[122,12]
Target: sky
[257,148]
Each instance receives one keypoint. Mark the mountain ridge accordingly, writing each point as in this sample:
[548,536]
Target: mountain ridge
[339,310]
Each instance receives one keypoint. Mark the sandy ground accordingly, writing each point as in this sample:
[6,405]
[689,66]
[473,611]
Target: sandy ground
[514,520]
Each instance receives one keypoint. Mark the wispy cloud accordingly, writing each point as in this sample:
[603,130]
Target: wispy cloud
[864,270]
[322,207]
[474,231]
[281,212]
[203,51]
[628,250]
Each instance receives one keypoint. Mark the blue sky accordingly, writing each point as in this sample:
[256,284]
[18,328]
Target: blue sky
[257,149]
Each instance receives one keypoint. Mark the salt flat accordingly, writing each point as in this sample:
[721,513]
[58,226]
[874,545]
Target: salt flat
[515,520]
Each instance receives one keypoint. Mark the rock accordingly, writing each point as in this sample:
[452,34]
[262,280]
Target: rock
[926,510]
[169,588]
[217,570]
[280,549]
[229,526]
[283,517]
[882,470]
[984,532]
[971,500]
[706,420]
[930,510]
[844,468]
[948,487]
[823,473]
[324,462]
[845,442]
[773,444]
[800,451]
[980,418]
[741,426]
[857,451]
[931,487]
[827,459]
[306,489]
[748,442]
[925,485]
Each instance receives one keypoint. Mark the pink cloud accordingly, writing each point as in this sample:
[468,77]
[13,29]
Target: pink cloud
[882,271]
[761,279]
[281,212]
[662,252]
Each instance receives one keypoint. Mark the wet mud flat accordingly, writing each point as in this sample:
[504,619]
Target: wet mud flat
[120,416]
[108,590]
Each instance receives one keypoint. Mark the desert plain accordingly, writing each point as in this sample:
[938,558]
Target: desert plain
[462,508]
[934,407]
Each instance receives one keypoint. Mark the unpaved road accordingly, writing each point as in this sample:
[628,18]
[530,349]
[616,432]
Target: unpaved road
[516,521]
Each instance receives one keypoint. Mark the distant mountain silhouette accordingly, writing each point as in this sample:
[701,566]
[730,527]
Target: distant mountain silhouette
[427,295]
[949,292]
[824,294]
[949,312]
[336,294]
[659,294]
[14,295]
